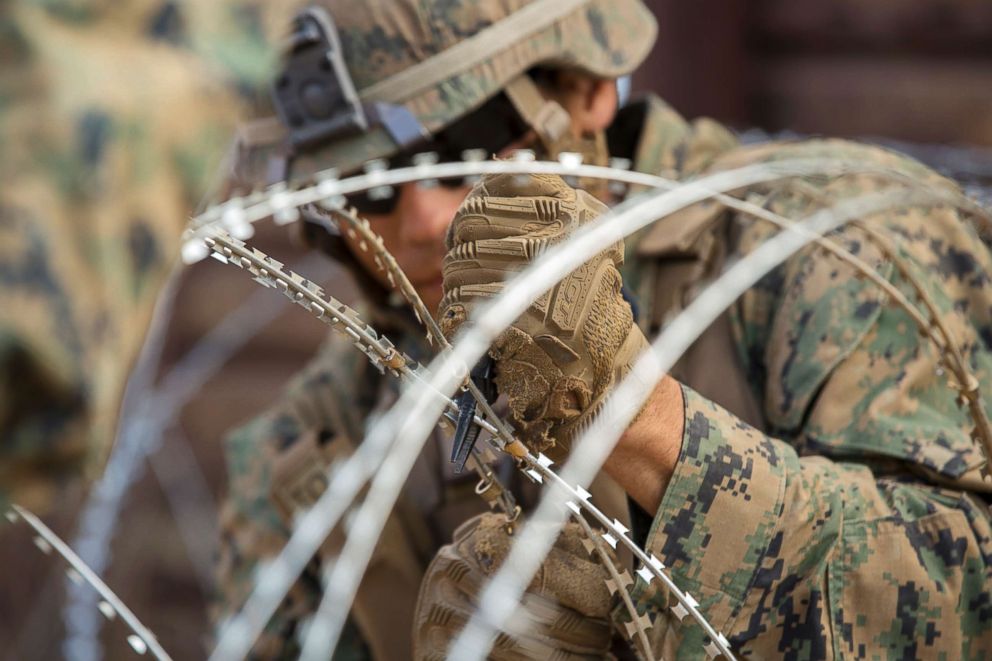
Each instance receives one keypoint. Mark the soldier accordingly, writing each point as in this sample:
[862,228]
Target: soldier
[276,463]
[805,470]
[111,123]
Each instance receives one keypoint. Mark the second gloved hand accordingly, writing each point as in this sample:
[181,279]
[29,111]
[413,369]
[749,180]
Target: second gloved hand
[558,361]
[564,614]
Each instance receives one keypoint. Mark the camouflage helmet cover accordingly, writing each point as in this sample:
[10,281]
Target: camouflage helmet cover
[441,59]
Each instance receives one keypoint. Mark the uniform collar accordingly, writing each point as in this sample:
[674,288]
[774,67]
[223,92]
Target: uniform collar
[658,140]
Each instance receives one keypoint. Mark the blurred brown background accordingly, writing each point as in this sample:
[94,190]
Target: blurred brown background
[918,72]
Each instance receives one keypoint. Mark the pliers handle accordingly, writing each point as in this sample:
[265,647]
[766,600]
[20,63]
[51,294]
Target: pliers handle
[467,433]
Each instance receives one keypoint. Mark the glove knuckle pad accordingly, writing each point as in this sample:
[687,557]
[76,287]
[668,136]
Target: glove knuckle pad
[564,352]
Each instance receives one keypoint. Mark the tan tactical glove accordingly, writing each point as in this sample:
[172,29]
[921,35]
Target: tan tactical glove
[556,363]
[564,614]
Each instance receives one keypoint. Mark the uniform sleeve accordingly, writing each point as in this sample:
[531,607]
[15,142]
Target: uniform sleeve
[252,531]
[276,466]
[733,498]
[830,534]
[803,557]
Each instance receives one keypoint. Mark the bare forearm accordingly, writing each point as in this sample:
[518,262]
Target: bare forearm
[644,458]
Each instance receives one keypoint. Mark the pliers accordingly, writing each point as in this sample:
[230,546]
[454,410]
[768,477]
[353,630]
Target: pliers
[466,432]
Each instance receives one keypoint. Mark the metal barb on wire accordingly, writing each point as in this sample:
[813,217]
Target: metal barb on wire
[274,272]
[381,431]
[620,583]
[625,401]
[141,639]
[344,577]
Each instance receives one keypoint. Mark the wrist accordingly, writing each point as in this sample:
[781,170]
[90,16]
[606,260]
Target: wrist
[645,457]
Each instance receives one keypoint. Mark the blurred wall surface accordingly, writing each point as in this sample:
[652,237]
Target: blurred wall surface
[919,70]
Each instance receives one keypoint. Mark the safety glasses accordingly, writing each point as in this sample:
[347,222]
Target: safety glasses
[487,130]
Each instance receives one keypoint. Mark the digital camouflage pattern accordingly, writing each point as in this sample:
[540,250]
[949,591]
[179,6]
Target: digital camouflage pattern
[272,476]
[112,125]
[383,38]
[849,521]
[340,390]
[854,522]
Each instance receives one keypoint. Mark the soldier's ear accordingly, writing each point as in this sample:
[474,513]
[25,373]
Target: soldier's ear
[601,104]
[591,102]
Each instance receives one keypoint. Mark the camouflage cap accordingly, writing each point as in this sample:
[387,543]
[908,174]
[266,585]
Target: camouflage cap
[440,59]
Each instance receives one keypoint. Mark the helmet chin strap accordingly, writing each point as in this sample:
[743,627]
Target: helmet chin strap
[547,118]
[553,126]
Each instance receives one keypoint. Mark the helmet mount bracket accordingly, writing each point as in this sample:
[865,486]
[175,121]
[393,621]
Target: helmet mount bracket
[315,97]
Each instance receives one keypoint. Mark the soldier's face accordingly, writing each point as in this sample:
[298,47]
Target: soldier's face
[414,233]
[414,228]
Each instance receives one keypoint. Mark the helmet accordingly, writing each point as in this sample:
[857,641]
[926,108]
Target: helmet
[365,79]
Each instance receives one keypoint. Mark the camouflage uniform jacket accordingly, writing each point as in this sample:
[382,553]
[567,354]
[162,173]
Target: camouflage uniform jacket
[848,520]
[277,467]
[110,125]
[317,417]
[276,464]
[766,606]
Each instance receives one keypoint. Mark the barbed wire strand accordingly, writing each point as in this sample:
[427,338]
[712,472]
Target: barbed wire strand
[413,413]
[821,163]
[193,506]
[237,214]
[144,418]
[502,593]
[142,640]
[617,584]
[102,509]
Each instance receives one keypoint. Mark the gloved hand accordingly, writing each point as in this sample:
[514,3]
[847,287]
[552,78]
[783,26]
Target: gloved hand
[564,614]
[556,363]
